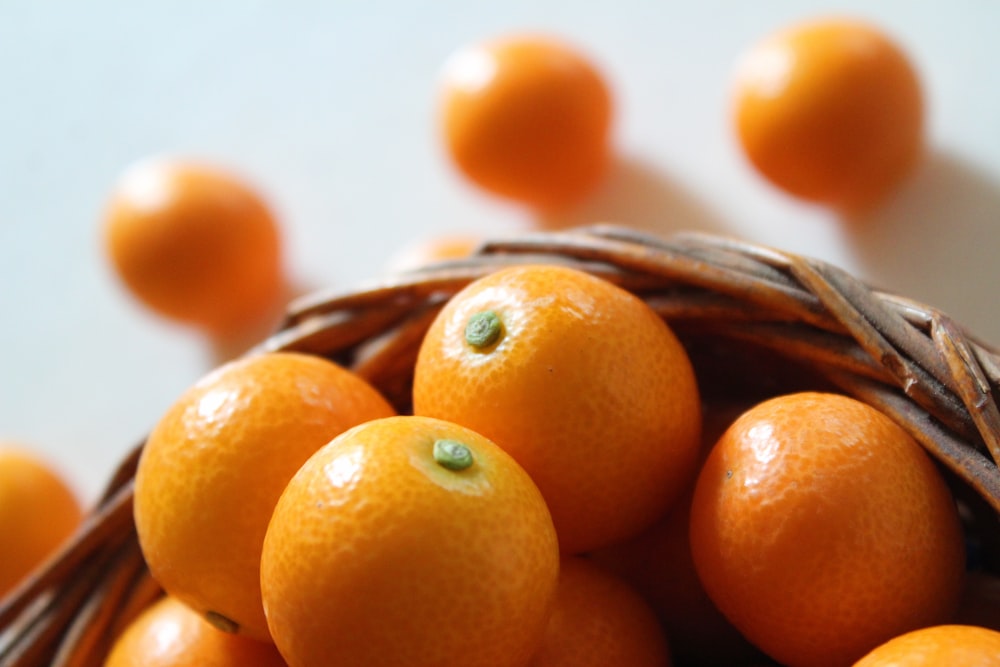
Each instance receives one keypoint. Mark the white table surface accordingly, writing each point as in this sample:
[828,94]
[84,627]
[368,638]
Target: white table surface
[329,107]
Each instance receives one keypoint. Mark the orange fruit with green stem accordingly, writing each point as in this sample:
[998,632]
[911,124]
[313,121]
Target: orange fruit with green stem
[581,382]
[409,539]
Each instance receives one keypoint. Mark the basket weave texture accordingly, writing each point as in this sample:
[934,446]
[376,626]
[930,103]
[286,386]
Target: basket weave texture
[808,325]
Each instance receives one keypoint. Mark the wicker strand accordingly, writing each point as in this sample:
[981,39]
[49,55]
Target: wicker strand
[973,387]
[87,639]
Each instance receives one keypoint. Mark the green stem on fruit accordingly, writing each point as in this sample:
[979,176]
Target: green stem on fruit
[483,329]
[452,454]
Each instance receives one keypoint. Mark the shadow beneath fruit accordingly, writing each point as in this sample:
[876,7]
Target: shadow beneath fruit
[639,196]
[937,241]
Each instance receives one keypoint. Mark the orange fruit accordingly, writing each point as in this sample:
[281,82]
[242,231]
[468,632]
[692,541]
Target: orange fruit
[821,529]
[405,540]
[581,382]
[527,117]
[170,634]
[196,244]
[831,111]
[599,620]
[215,464]
[952,645]
[38,513]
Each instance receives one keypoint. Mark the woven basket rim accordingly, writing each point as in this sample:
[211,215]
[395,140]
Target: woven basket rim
[908,359]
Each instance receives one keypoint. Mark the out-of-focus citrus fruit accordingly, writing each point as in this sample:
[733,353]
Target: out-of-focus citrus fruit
[831,111]
[171,634]
[581,382]
[600,620]
[196,244]
[937,646]
[409,540]
[39,511]
[822,529]
[217,461]
[427,251]
[528,118]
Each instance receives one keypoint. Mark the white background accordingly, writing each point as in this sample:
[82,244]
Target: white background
[329,107]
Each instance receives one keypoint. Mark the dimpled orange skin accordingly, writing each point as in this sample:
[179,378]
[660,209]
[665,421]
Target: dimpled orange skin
[196,244]
[527,117]
[600,620]
[830,111]
[170,634]
[587,388]
[937,646]
[378,555]
[821,529]
[216,462]
[38,513]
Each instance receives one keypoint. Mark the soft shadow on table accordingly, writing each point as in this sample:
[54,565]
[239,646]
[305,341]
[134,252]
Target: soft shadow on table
[938,241]
[639,196]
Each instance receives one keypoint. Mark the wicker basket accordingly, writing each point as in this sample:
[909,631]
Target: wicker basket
[810,325]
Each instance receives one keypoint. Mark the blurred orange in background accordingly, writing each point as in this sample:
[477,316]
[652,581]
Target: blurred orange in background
[527,117]
[39,511]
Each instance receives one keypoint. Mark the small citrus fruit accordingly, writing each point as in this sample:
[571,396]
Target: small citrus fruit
[405,540]
[215,464]
[830,111]
[821,529]
[170,634]
[935,646]
[581,382]
[196,244]
[38,513]
[598,619]
[528,118]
